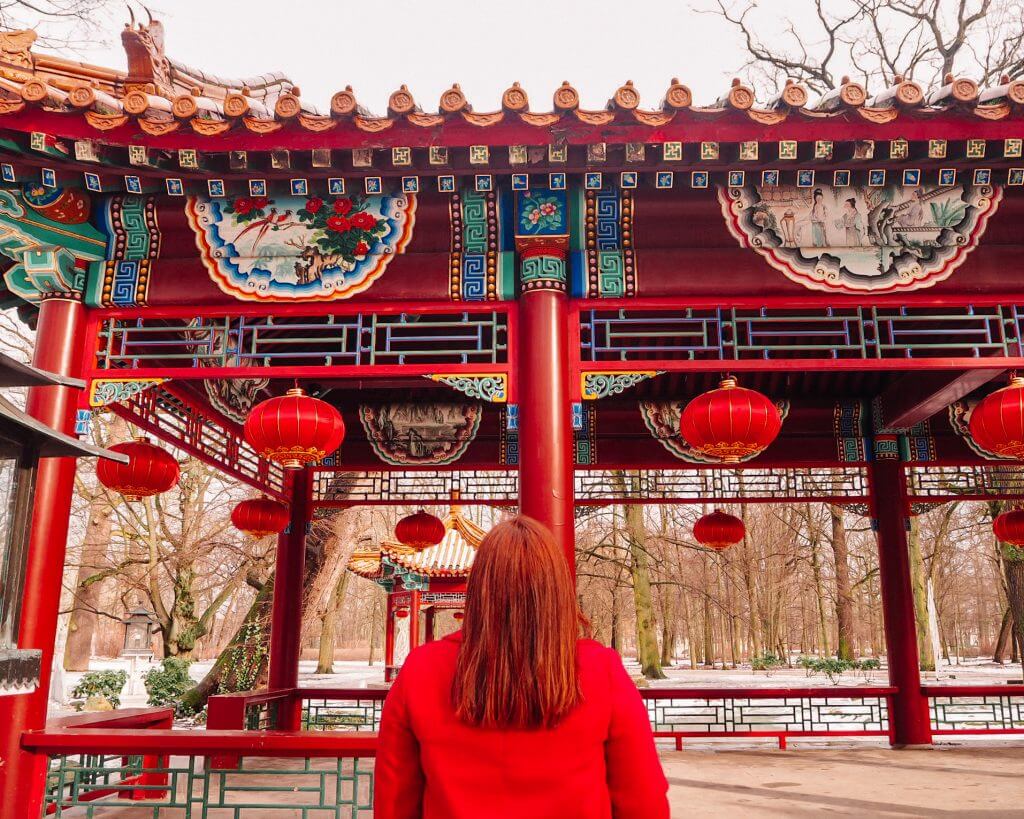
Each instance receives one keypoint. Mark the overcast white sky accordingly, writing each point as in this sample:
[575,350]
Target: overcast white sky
[482,44]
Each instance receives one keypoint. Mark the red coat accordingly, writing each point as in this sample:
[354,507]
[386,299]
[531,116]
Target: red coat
[599,762]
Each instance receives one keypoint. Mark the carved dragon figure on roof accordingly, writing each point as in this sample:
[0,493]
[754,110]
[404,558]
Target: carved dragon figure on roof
[149,69]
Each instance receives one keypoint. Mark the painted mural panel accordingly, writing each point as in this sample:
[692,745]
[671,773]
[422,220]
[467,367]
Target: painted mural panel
[861,238]
[417,434]
[300,248]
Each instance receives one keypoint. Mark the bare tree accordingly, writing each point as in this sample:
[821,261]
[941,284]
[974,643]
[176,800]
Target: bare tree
[877,40]
[57,23]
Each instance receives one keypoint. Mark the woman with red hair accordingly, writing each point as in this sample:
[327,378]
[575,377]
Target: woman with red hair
[516,715]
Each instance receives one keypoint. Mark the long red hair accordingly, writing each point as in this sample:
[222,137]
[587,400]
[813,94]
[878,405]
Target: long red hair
[517,663]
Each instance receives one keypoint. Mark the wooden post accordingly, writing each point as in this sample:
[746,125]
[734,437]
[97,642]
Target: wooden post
[286,619]
[546,480]
[58,349]
[428,624]
[909,716]
[389,638]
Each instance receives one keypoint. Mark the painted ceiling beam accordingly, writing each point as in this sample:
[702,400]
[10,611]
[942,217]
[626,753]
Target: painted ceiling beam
[917,397]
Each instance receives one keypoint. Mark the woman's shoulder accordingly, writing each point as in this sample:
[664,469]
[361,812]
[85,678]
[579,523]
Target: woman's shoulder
[593,653]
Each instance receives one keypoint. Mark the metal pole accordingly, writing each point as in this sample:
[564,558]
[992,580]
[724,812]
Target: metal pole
[909,716]
[58,349]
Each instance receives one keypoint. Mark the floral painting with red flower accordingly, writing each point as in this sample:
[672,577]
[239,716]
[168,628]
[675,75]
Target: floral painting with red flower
[307,248]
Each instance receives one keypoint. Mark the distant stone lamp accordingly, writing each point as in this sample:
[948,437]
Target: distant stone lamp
[138,632]
[997,422]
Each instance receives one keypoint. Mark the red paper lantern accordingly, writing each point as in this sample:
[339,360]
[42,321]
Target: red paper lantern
[719,530]
[730,423]
[1009,527]
[997,422]
[458,615]
[402,613]
[420,530]
[260,517]
[294,429]
[150,470]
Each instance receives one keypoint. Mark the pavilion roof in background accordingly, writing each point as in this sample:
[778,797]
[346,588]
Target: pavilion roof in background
[452,557]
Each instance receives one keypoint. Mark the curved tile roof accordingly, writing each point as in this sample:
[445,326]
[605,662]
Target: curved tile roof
[160,95]
[452,557]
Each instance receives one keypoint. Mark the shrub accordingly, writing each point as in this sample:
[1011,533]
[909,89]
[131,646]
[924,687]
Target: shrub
[831,667]
[107,684]
[865,667]
[166,684]
[766,662]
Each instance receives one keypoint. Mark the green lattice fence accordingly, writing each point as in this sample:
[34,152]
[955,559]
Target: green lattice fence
[184,787]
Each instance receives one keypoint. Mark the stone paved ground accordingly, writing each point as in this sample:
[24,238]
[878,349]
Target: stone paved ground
[962,782]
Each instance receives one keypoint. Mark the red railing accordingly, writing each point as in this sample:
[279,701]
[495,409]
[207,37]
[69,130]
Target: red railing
[678,713]
[976,709]
[180,773]
[768,713]
[116,724]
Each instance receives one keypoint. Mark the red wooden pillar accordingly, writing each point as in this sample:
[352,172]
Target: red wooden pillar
[286,618]
[428,625]
[389,638]
[909,717]
[414,620]
[545,412]
[58,349]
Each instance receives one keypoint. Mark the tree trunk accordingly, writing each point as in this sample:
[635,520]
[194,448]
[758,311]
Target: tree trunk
[616,625]
[243,663]
[753,631]
[376,615]
[88,584]
[920,589]
[819,597]
[328,624]
[647,640]
[709,634]
[844,597]
[1013,570]
[1003,640]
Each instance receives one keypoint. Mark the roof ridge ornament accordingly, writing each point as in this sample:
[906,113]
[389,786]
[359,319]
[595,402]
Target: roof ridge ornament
[740,96]
[678,96]
[454,101]
[147,62]
[401,102]
[566,97]
[515,99]
[16,48]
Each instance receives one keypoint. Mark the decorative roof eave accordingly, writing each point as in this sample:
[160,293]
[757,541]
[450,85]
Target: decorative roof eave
[306,131]
[166,97]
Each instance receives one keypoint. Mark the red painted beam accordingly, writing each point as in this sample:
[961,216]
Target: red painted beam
[200,743]
[917,397]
